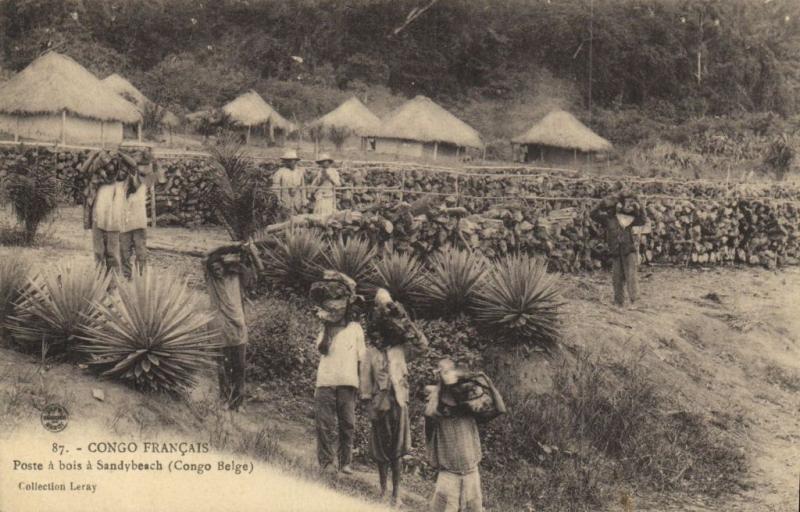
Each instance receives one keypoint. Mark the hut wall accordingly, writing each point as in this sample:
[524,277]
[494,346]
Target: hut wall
[444,150]
[48,128]
[398,147]
[552,155]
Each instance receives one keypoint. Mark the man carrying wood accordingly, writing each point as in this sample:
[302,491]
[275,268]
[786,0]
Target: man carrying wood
[618,215]
[133,236]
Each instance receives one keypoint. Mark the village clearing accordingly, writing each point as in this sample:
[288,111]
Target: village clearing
[725,342]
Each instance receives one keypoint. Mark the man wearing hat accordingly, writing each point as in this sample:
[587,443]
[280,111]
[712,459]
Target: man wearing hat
[618,214]
[289,183]
[324,182]
[343,353]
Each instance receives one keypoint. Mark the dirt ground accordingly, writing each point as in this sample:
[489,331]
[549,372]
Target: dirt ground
[723,342]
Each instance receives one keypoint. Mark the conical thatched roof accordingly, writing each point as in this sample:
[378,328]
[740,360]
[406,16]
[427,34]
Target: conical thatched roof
[54,83]
[250,109]
[561,129]
[352,115]
[126,89]
[423,120]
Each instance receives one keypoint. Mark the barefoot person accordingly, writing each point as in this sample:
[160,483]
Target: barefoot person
[289,185]
[225,270]
[451,428]
[133,236]
[343,351]
[324,184]
[384,386]
[618,215]
[104,216]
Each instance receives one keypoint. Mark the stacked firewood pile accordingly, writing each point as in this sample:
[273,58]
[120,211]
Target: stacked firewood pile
[183,199]
[763,232]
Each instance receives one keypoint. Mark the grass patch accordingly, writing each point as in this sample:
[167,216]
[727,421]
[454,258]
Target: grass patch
[602,429]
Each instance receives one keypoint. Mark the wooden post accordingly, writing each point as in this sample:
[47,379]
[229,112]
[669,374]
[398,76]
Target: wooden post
[541,153]
[458,192]
[139,131]
[153,204]
[457,148]
[484,154]
[63,126]
[403,184]
[247,140]
[16,132]
[103,134]
[575,156]
[435,149]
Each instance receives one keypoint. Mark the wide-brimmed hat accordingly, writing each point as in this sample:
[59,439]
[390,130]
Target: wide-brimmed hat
[290,154]
[324,157]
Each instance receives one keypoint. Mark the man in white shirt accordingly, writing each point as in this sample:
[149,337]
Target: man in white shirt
[107,213]
[133,235]
[343,350]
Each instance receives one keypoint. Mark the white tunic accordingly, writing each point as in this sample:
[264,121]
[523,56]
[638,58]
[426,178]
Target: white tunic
[340,366]
[109,207]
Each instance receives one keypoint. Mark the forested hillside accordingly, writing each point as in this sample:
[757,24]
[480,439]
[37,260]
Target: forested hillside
[497,63]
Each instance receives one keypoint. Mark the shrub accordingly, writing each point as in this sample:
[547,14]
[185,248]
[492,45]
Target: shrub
[520,300]
[338,135]
[152,117]
[240,197]
[453,280]
[352,258]
[14,270]
[402,275]
[33,193]
[294,259]
[56,307]
[153,337]
[281,342]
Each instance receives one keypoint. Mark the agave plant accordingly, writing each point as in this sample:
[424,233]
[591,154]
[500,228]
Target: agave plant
[520,300]
[153,337]
[56,307]
[13,275]
[352,258]
[454,278]
[294,259]
[402,275]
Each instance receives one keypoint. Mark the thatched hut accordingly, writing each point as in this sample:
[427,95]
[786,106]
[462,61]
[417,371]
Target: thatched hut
[353,117]
[55,98]
[251,111]
[420,127]
[559,138]
[128,91]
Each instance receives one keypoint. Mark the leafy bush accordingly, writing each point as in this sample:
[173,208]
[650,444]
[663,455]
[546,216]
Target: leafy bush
[240,196]
[338,135]
[152,117]
[14,270]
[33,193]
[352,258]
[454,279]
[294,260]
[56,307]
[402,275]
[153,337]
[519,300]
[281,342]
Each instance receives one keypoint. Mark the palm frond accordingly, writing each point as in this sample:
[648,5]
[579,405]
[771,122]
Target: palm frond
[14,269]
[352,258]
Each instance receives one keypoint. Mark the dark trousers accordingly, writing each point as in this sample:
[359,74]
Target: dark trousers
[332,404]
[131,242]
[106,248]
[232,374]
[625,275]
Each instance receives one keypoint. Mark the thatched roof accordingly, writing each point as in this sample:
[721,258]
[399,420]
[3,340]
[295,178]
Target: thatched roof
[250,109]
[561,129]
[352,115]
[423,120]
[54,83]
[127,90]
